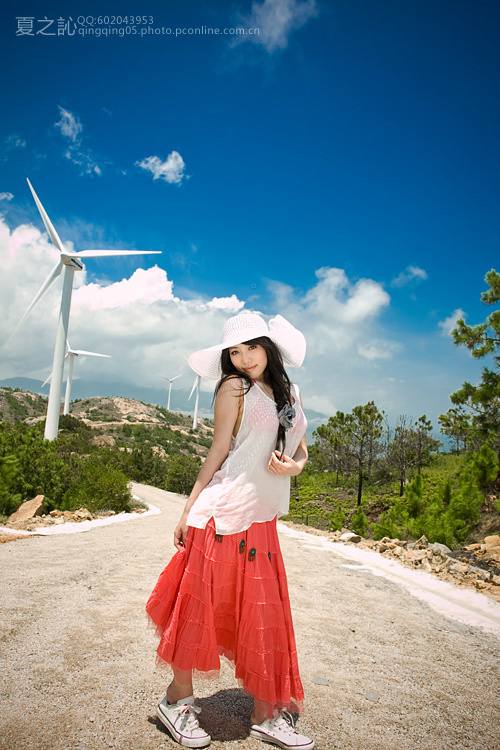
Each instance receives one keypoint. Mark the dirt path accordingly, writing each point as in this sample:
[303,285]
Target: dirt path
[77,661]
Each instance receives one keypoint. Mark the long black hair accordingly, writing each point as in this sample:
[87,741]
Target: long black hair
[274,376]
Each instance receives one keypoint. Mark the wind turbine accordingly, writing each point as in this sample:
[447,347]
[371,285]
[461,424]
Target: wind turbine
[72,354]
[170,381]
[70,262]
[197,399]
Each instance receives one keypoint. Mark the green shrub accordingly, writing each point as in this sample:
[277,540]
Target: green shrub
[9,470]
[359,522]
[98,486]
[337,519]
[414,498]
[464,508]
[181,474]
[484,468]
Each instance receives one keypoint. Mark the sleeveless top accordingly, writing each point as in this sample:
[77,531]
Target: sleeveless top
[243,491]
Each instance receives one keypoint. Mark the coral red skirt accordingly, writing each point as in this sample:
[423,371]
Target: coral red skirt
[228,595]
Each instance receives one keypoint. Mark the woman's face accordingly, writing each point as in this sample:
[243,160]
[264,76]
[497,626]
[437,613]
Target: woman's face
[251,359]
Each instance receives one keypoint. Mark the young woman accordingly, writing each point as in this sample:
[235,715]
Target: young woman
[225,591]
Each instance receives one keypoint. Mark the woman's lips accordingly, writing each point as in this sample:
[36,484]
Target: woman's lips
[249,369]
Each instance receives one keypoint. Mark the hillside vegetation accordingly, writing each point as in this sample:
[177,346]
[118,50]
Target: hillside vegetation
[391,481]
[109,442]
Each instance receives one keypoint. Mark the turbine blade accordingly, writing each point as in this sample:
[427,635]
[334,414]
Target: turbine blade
[47,380]
[89,354]
[48,224]
[46,284]
[194,387]
[111,253]
[170,380]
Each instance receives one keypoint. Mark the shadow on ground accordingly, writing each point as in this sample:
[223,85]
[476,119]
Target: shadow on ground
[225,715]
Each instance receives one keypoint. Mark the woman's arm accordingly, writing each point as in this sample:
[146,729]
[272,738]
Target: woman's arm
[281,464]
[289,466]
[226,411]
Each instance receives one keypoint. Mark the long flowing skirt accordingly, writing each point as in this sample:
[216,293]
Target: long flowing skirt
[228,596]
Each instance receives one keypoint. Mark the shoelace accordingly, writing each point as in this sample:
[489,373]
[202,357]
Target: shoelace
[187,712]
[285,722]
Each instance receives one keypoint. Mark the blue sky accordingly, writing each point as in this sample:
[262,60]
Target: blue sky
[356,136]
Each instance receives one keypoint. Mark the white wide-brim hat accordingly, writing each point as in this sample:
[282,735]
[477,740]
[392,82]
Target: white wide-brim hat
[245,327]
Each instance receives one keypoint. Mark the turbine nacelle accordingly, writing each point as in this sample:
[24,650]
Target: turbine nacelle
[72,262]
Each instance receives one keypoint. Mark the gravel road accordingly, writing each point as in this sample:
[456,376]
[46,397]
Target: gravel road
[78,662]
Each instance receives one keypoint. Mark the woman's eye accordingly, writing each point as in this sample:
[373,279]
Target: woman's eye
[234,352]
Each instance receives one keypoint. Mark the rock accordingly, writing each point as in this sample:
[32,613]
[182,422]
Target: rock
[27,510]
[472,547]
[492,541]
[82,514]
[426,566]
[417,556]
[459,567]
[350,536]
[496,580]
[371,695]
[319,680]
[55,513]
[484,575]
[422,543]
[441,549]
[399,551]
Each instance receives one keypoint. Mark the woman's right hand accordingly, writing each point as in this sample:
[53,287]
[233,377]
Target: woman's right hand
[180,532]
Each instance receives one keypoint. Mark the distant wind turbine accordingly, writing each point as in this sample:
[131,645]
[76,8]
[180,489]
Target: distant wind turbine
[71,354]
[170,381]
[196,386]
[70,262]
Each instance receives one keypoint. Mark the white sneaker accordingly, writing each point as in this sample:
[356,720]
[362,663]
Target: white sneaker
[280,731]
[181,721]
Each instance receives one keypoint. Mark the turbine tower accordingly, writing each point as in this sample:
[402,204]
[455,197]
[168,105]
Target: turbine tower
[196,386]
[170,381]
[70,262]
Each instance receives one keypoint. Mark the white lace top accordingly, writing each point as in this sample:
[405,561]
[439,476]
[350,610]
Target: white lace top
[243,491]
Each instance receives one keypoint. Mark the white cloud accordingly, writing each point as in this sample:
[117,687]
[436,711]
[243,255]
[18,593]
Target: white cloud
[379,349]
[14,141]
[276,20]
[232,303]
[147,328]
[171,170]
[411,274]
[69,125]
[6,196]
[147,286]
[71,128]
[450,322]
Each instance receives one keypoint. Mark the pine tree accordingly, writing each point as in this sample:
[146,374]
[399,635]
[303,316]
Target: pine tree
[483,399]
[363,431]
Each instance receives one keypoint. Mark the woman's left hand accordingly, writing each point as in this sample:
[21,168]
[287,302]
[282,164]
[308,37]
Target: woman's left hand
[283,465]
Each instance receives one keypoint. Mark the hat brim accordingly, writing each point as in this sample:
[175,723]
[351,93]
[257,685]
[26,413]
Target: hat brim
[289,340]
